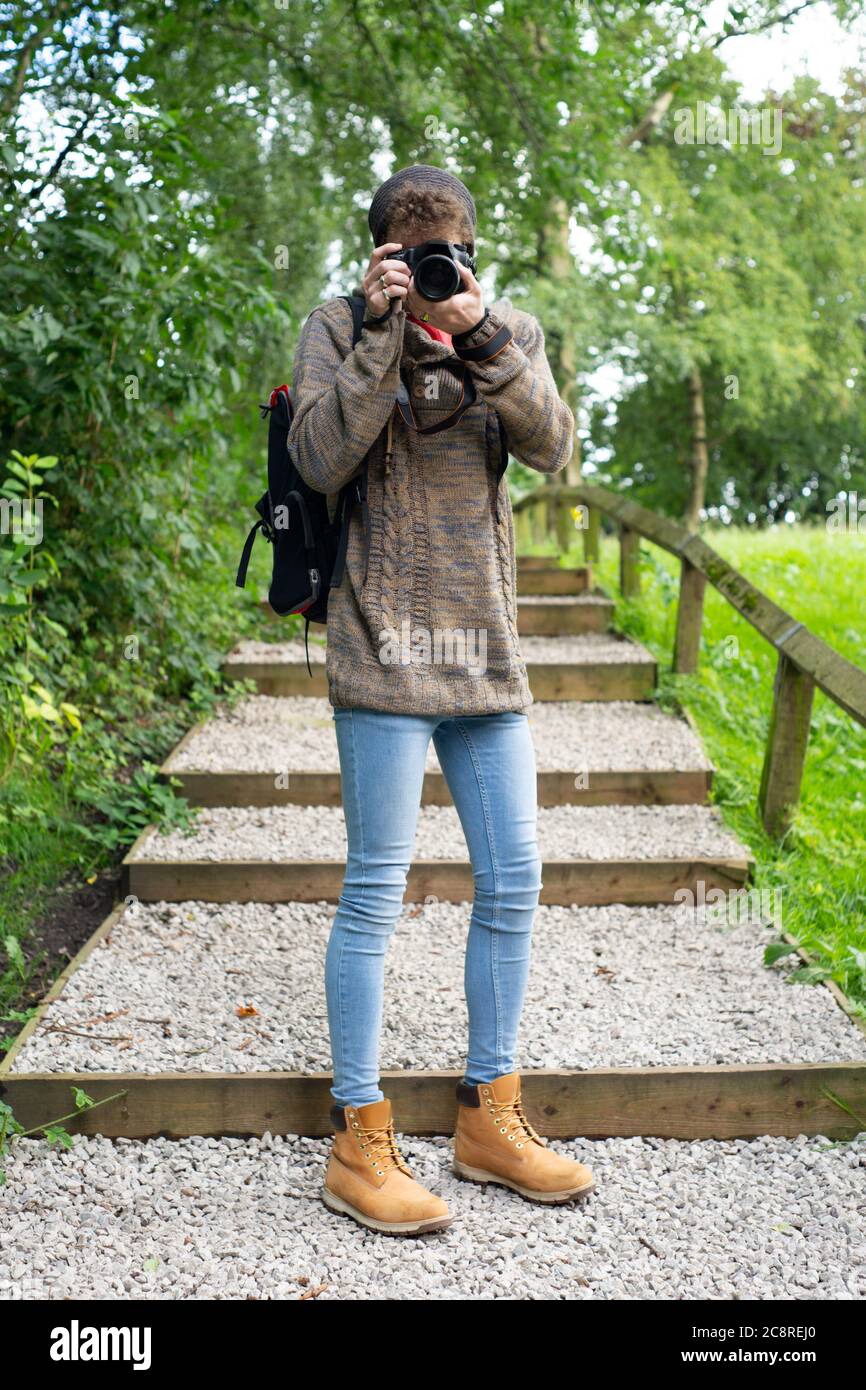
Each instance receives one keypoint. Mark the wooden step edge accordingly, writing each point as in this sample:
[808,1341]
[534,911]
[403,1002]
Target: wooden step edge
[567,603]
[558,589]
[164,771]
[569,882]
[603,680]
[103,931]
[556,787]
[670,1102]
[550,583]
[551,562]
[553,621]
[685,1102]
[579,599]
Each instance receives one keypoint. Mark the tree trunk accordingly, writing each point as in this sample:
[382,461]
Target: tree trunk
[564,365]
[562,268]
[699,456]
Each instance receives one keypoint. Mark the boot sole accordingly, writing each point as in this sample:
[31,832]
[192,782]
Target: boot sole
[394,1228]
[481,1175]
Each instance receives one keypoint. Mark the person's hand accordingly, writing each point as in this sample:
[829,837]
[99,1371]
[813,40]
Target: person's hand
[455,315]
[395,275]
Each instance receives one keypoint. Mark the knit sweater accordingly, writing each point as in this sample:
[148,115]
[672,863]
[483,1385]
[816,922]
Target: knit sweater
[425,619]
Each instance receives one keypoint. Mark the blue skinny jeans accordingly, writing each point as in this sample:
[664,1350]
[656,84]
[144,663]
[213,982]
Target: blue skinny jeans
[489,764]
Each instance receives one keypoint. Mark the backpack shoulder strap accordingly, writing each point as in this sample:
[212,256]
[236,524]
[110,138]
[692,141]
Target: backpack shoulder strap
[503,449]
[358,305]
[279,424]
[356,487]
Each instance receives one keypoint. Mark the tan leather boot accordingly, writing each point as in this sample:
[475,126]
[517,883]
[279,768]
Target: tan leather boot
[368,1178]
[494,1142]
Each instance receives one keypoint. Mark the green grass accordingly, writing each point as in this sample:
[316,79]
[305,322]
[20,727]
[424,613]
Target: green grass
[819,868]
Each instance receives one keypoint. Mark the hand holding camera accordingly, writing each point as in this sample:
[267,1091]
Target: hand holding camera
[443,290]
[436,280]
[456,314]
[386,280]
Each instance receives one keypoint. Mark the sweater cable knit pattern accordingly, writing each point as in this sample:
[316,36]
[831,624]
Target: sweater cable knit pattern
[440,558]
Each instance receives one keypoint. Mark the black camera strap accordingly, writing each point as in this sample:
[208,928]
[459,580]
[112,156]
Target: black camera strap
[468,397]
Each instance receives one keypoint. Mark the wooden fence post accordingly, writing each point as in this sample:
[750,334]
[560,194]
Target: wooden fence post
[788,739]
[629,556]
[564,526]
[523,536]
[550,511]
[591,535]
[690,615]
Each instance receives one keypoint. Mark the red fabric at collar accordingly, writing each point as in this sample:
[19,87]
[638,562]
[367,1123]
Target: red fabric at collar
[438,333]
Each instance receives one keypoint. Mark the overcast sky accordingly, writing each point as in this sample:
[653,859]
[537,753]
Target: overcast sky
[813,43]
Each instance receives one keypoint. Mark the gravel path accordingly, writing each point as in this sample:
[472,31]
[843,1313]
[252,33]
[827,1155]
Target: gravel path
[608,986]
[267,733]
[589,648]
[275,833]
[243,1218]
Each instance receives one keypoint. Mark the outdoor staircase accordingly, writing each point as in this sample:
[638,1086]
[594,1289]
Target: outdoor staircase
[628,841]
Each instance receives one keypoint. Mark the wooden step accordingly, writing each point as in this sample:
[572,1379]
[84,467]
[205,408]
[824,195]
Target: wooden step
[563,617]
[546,562]
[207,1091]
[555,612]
[306,787]
[553,579]
[284,751]
[712,1102]
[582,882]
[594,666]
[206,866]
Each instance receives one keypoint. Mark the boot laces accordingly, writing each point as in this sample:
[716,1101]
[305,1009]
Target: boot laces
[380,1145]
[509,1114]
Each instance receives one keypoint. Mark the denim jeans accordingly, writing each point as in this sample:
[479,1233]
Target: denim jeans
[489,764]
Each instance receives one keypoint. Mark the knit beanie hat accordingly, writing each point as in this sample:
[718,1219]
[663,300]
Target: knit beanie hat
[425,176]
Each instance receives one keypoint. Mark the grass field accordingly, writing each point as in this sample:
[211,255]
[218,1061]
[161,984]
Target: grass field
[819,869]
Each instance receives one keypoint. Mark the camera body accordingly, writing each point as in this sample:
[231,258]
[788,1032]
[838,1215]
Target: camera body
[434,266]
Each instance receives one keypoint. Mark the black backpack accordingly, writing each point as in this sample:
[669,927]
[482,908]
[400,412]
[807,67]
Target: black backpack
[309,548]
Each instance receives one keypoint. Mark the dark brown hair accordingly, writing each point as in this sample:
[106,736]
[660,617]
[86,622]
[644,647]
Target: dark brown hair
[416,212]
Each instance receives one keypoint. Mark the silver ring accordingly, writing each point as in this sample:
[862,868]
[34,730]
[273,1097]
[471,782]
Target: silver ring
[385,293]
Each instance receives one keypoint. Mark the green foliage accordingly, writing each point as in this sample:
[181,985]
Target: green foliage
[819,869]
[135,322]
[717,267]
[55,1132]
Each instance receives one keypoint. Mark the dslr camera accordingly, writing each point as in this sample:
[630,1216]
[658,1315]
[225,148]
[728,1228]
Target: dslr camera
[434,265]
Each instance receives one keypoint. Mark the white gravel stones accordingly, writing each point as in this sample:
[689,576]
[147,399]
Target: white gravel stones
[243,1218]
[586,649]
[608,987]
[272,734]
[276,833]
[292,650]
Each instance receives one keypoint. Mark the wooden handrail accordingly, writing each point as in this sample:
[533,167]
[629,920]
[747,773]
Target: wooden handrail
[805,661]
[839,678]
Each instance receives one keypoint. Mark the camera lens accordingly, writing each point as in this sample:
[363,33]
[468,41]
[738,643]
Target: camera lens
[437,277]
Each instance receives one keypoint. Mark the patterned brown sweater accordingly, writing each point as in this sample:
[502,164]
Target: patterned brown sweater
[425,620]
